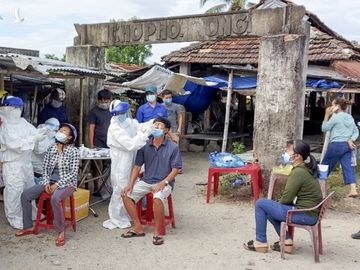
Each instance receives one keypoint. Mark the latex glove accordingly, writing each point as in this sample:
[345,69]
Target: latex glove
[39,137]
[150,129]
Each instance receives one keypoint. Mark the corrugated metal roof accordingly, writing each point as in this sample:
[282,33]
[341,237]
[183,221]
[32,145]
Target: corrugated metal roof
[348,68]
[43,66]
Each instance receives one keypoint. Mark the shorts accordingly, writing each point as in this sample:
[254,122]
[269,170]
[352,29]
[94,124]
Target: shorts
[141,189]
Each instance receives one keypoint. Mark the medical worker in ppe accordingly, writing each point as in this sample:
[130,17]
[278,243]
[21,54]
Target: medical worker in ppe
[125,137]
[48,129]
[17,140]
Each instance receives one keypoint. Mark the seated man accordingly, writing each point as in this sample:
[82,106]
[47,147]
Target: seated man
[162,161]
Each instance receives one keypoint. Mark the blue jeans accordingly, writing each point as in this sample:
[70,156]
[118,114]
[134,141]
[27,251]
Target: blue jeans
[276,212]
[340,151]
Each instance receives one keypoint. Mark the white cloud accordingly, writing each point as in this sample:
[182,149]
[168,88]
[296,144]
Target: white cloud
[48,25]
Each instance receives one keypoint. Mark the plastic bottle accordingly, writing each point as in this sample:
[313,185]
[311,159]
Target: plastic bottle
[82,150]
[353,158]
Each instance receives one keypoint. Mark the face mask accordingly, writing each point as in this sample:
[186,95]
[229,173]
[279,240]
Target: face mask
[286,159]
[56,104]
[60,137]
[168,101]
[157,132]
[122,117]
[151,98]
[104,106]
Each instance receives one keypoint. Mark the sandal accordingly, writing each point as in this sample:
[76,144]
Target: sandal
[60,241]
[24,232]
[288,248]
[355,195]
[250,246]
[158,240]
[132,233]
[356,235]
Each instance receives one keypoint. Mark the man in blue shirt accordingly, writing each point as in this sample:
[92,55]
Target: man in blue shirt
[162,161]
[151,109]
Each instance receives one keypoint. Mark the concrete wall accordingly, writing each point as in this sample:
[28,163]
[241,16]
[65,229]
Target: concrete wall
[88,56]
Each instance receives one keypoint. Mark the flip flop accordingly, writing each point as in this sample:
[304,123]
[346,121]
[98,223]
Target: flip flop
[250,246]
[132,233]
[287,249]
[353,195]
[158,240]
[60,241]
[24,232]
[356,235]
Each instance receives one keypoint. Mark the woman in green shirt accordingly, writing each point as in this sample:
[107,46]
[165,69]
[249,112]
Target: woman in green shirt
[302,190]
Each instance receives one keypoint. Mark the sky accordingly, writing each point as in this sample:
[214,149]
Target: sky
[48,25]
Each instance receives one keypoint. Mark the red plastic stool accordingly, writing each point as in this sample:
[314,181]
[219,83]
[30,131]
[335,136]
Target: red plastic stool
[47,222]
[147,216]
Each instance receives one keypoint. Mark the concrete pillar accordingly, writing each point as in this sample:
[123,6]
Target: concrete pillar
[87,56]
[280,95]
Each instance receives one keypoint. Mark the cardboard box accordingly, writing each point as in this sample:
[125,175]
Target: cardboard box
[81,200]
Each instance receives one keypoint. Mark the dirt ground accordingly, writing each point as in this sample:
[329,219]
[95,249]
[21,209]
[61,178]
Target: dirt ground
[207,236]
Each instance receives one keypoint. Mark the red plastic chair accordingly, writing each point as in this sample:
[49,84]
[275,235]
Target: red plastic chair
[314,230]
[147,216]
[47,222]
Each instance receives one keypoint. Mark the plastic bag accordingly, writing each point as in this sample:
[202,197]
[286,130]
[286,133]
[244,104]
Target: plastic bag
[225,160]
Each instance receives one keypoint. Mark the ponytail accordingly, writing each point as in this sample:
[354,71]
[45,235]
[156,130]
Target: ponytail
[311,164]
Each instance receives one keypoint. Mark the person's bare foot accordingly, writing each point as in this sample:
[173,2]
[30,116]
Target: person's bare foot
[353,195]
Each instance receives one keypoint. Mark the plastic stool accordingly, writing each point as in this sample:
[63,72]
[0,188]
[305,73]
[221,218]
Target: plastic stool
[48,224]
[147,216]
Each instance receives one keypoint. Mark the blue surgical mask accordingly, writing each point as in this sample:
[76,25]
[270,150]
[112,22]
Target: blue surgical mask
[122,117]
[168,101]
[60,137]
[157,132]
[286,158]
[150,98]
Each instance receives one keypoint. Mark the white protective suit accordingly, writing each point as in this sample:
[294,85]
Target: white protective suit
[124,139]
[42,146]
[17,139]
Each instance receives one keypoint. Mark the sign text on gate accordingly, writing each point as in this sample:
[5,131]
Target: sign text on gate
[164,30]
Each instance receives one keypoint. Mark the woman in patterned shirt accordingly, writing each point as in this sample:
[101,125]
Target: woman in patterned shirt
[60,173]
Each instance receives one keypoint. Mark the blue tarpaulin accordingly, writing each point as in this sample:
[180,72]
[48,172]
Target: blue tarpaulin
[245,82]
[199,97]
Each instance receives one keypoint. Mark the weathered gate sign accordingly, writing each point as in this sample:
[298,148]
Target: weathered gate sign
[164,30]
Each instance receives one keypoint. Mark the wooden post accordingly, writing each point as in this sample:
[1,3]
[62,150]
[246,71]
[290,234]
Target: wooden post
[35,105]
[81,120]
[227,114]
[11,86]
[2,84]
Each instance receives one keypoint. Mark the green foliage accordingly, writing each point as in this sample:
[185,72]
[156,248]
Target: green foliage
[227,5]
[130,54]
[54,57]
[238,148]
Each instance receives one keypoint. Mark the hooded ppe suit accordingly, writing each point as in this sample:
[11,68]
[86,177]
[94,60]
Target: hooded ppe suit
[17,139]
[124,139]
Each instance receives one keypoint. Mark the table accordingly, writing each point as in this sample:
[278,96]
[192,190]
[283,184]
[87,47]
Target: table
[212,136]
[253,169]
[104,176]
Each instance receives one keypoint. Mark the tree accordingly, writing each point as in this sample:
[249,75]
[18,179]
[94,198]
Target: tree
[232,5]
[54,57]
[128,54]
